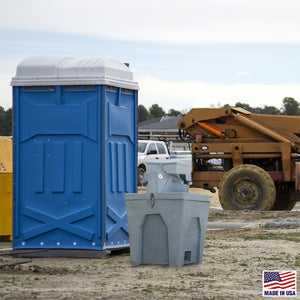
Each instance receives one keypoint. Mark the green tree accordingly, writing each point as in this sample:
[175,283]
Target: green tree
[290,107]
[156,111]
[8,121]
[173,112]
[5,122]
[244,106]
[143,114]
[270,110]
[2,121]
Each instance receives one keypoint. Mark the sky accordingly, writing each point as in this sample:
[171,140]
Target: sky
[183,54]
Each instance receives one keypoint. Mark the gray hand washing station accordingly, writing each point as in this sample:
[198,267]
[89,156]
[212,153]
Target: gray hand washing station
[167,224]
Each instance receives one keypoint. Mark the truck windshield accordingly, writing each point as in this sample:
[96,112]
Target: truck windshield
[141,147]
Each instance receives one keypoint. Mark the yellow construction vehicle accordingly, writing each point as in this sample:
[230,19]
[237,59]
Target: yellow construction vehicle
[253,159]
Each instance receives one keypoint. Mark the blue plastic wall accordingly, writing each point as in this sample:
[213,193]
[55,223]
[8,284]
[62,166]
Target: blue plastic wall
[74,159]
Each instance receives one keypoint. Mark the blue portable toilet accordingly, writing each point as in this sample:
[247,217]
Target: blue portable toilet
[75,137]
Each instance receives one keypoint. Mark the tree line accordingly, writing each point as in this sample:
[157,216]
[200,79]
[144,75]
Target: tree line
[155,111]
[290,107]
[5,121]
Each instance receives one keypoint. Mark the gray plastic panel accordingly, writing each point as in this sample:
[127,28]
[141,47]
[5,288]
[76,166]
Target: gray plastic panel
[167,229]
[168,176]
[68,70]
[171,167]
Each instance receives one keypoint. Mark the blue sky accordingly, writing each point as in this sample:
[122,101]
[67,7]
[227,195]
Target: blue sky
[207,55]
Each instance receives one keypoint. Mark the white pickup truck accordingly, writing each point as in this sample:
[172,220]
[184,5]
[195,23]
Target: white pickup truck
[149,150]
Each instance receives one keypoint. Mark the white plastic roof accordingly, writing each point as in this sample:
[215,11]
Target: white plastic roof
[68,70]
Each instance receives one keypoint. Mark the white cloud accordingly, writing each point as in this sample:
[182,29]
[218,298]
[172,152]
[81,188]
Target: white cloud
[244,73]
[190,21]
[183,95]
[5,91]
[7,71]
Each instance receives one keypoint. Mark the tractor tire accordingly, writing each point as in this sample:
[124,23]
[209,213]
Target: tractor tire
[247,187]
[285,196]
[140,176]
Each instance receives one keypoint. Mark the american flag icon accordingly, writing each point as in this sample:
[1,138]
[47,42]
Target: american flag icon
[283,280]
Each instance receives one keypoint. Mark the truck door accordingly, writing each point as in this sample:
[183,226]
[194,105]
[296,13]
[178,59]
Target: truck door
[152,152]
[162,151]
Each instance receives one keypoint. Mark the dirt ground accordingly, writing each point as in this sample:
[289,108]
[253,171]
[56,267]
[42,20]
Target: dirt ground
[232,267]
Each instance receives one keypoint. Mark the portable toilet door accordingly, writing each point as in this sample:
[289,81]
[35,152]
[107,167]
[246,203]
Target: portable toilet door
[75,137]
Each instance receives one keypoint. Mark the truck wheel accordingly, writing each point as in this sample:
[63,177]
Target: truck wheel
[247,187]
[285,194]
[140,176]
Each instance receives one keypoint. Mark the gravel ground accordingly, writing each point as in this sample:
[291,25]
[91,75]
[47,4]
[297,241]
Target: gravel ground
[232,266]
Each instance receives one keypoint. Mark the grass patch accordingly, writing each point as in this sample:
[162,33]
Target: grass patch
[148,289]
[220,214]
[243,264]
[275,258]
[78,268]
[293,237]
[198,274]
